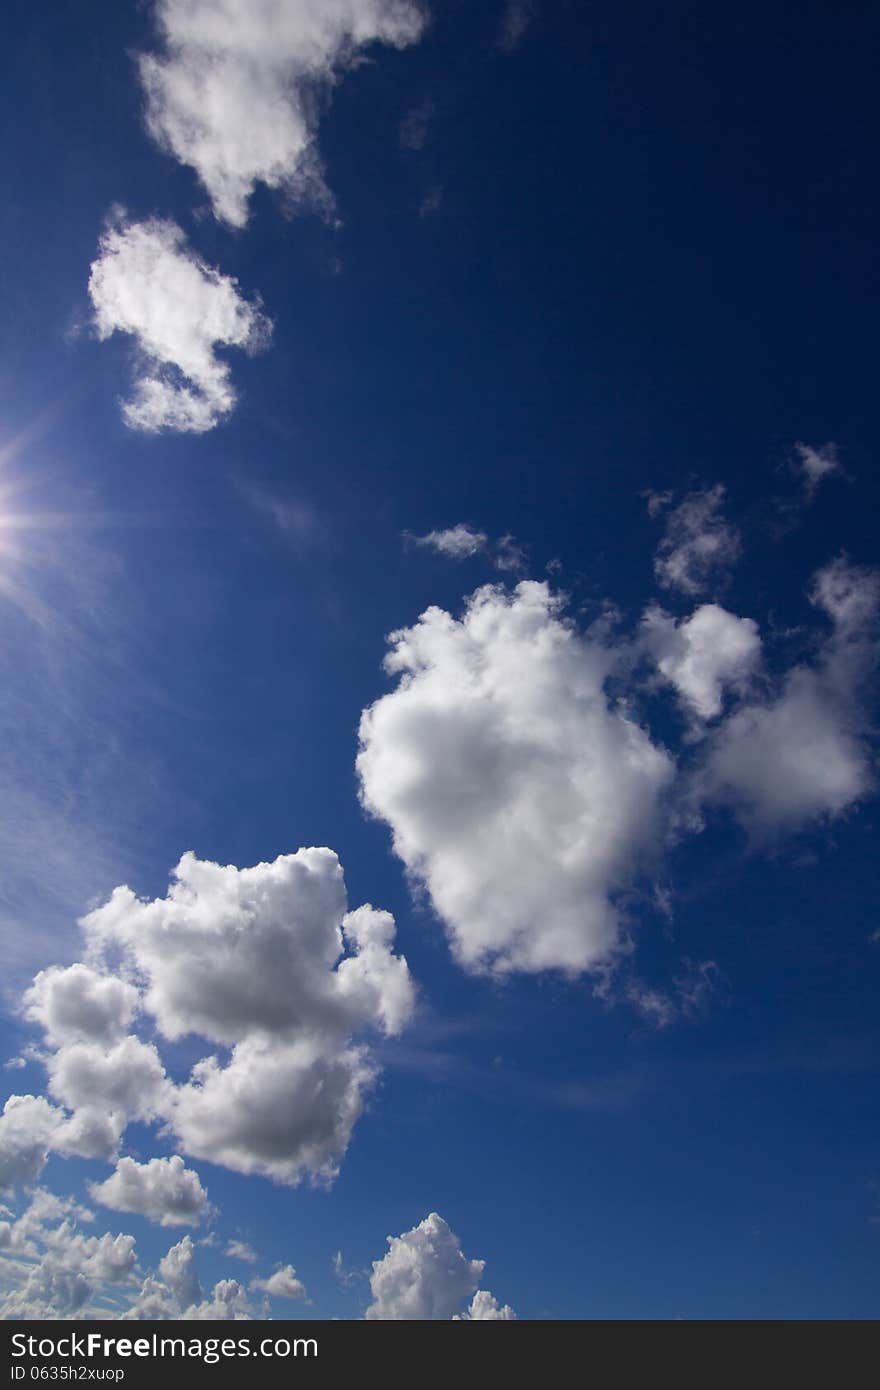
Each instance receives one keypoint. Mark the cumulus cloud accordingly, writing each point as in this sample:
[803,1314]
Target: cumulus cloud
[805,751]
[703,655]
[232,94]
[77,1004]
[53,1268]
[484,1307]
[147,282]
[698,546]
[27,1127]
[175,1292]
[425,1276]
[163,1190]
[517,792]
[816,464]
[282,1284]
[50,1268]
[105,1088]
[283,1109]
[264,961]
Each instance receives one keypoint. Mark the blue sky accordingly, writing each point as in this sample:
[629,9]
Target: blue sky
[586,292]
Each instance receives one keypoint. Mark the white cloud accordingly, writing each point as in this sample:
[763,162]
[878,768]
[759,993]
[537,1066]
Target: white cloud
[175,1292]
[162,1190]
[240,1250]
[105,1087]
[50,1269]
[27,1126]
[177,1271]
[517,793]
[698,546]
[267,961]
[283,1109]
[148,283]
[703,655]
[804,752]
[55,1270]
[424,1276]
[814,465]
[456,542]
[462,541]
[76,1004]
[231,953]
[282,1284]
[484,1307]
[233,95]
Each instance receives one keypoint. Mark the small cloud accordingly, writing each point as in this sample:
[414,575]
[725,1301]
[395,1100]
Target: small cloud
[463,541]
[814,465]
[456,542]
[413,130]
[240,1250]
[509,555]
[282,1284]
[15,1064]
[697,545]
[147,282]
[516,19]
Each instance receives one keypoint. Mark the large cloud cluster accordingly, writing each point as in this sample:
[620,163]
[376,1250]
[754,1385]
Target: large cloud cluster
[51,1268]
[234,93]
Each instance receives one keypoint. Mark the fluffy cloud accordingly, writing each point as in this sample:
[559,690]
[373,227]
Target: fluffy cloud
[175,1292]
[484,1307]
[77,1004]
[232,953]
[283,1109]
[704,654]
[50,1269]
[266,961]
[232,96]
[282,1284]
[163,1190]
[805,751]
[27,1127]
[424,1276]
[148,283]
[698,545]
[516,791]
[105,1088]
